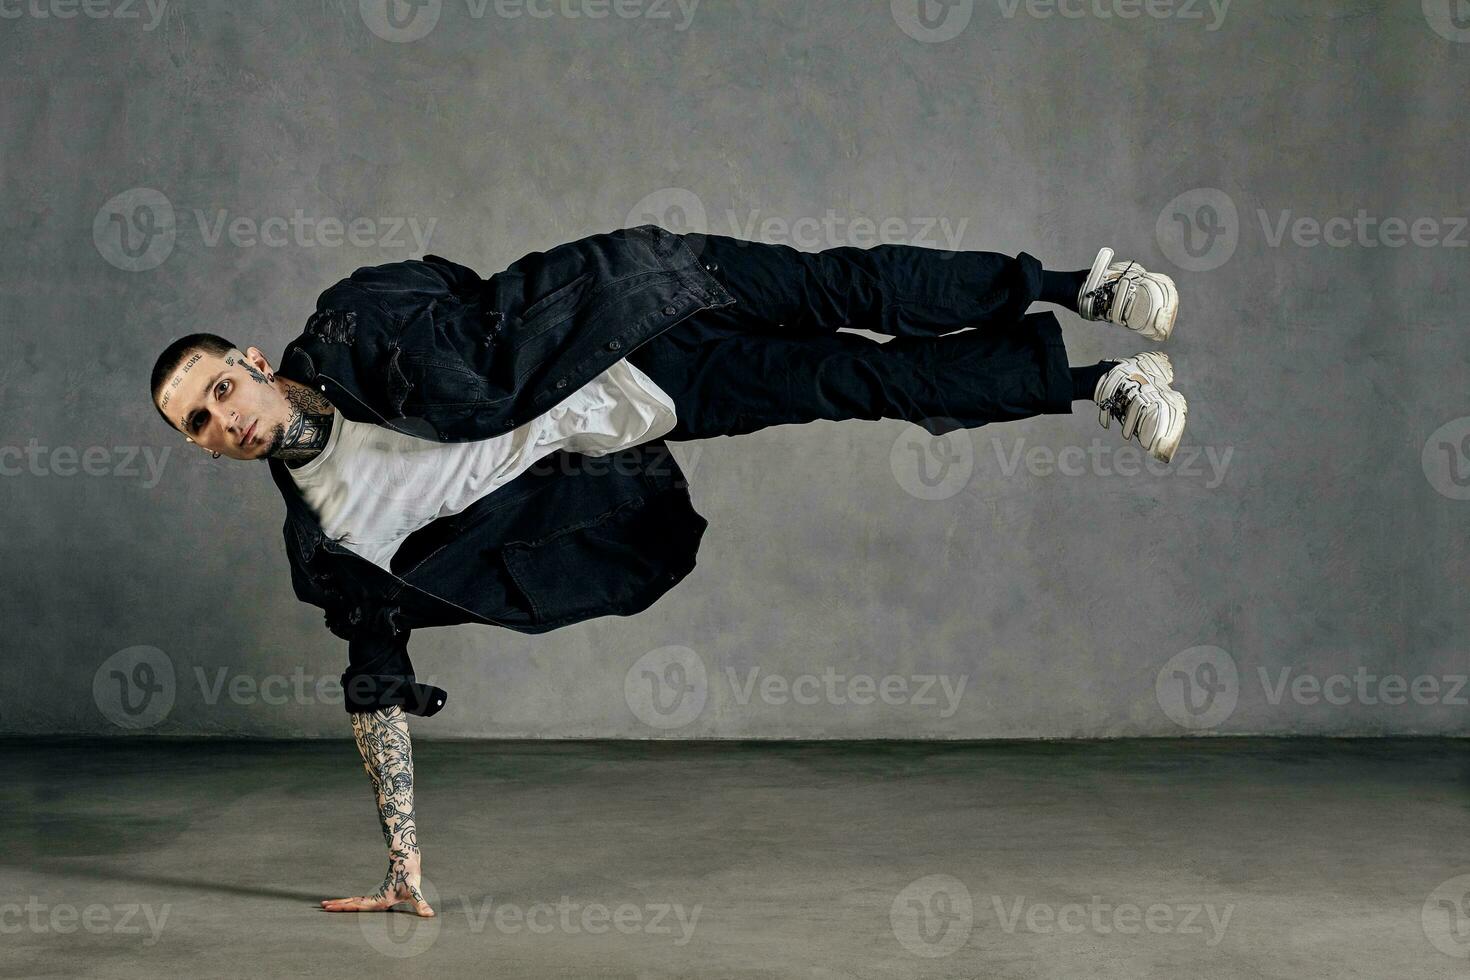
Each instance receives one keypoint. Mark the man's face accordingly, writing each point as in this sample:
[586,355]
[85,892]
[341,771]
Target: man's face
[227,404]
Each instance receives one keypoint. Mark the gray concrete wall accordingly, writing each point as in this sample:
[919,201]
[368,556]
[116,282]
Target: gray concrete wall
[1300,569]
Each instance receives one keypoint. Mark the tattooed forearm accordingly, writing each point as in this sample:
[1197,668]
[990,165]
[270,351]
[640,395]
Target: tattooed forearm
[387,755]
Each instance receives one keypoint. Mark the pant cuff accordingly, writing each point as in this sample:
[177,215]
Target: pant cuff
[1024,289]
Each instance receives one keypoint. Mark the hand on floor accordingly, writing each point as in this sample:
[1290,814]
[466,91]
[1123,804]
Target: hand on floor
[397,887]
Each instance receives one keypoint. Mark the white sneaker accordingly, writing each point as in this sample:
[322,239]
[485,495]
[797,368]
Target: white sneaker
[1137,392]
[1127,294]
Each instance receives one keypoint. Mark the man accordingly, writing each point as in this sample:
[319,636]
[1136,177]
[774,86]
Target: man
[454,449]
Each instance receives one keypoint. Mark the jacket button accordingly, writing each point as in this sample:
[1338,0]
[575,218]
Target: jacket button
[614,344]
[324,387]
[561,382]
[670,310]
[355,616]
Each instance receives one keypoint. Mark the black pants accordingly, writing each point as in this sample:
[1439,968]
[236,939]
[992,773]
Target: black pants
[777,356]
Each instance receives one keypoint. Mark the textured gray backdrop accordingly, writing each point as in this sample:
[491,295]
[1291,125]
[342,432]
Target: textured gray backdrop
[1299,168]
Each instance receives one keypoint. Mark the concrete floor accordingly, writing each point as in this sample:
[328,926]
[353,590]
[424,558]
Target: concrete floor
[1212,858]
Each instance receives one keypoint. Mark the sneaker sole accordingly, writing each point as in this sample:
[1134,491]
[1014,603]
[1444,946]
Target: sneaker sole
[1156,367]
[1164,448]
[1159,370]
[1161,324]
[1163,321]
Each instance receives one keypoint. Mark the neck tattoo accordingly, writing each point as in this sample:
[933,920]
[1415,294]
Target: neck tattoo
[310,426]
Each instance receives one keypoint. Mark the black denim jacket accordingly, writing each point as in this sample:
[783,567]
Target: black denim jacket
[429,348]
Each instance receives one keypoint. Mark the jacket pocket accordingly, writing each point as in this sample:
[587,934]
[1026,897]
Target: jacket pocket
[616,564]
[550,309]
[419,381]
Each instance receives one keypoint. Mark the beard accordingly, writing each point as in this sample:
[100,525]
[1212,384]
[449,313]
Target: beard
[278,439]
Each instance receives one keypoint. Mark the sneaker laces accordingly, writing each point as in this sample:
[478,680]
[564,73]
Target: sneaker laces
[1117,405]
[1108,293]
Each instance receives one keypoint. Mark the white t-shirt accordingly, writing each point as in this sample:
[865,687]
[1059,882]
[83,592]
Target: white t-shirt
[372,486]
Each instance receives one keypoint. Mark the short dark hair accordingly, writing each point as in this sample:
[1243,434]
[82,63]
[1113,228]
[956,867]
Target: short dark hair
[173,355]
